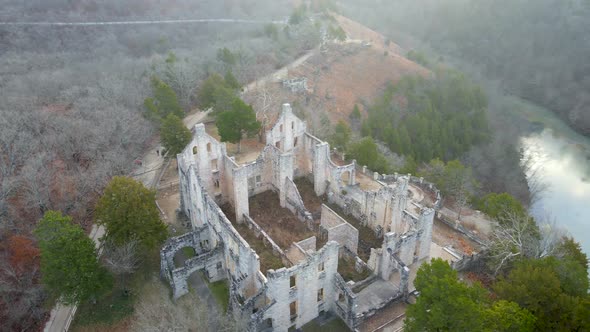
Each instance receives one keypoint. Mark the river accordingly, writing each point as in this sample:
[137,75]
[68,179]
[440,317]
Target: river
[561,158]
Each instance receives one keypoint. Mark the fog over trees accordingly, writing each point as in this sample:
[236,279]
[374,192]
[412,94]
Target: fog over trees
[538,49]
[72,104]
[81,104]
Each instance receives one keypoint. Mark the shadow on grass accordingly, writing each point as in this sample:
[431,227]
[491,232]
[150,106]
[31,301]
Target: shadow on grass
[118,304]
[108,310]
[220,291]
[335,324]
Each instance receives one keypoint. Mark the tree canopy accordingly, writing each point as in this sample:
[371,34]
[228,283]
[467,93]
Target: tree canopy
[499,205]
[447,304]
[163,103]
[174,135]
[239,121]
[430,118]
[128,211]
[453,179]
[366,153]
[69,263]
[340,136]
[544,287]
[218,92]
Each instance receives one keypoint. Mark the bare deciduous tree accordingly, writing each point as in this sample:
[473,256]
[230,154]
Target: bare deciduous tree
[265,100]
[121,260]
[518,235]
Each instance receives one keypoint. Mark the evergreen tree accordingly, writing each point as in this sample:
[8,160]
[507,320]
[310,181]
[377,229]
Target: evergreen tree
[217,93]
[230,80]
[163,103]
[341,135]
[69,263]
[540,287]
[445,303]
[356,113]
[366,153]
[128,211]
[174,134]
[238,121]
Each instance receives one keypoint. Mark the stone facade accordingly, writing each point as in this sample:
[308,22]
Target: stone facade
[310,283]
[339,230]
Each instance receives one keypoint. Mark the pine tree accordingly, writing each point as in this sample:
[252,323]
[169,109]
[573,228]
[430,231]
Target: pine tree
[163,103]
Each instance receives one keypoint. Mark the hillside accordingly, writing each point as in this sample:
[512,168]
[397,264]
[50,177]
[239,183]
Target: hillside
[348,73]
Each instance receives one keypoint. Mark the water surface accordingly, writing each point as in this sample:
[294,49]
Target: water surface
[562,161]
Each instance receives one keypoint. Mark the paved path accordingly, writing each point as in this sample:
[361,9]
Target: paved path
[148,173]
[280,74]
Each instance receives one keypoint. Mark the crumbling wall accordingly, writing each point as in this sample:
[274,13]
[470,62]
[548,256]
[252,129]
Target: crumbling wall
[313,290]
[339,230]
[294,202]
[208,177]
[296,85]
[308,245]
[207,154]
[205,258]
[287,134]
[345,302]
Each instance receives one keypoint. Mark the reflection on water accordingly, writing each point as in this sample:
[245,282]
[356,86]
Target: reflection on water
[563,163]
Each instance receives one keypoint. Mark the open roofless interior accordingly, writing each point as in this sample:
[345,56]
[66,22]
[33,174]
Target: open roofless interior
[290,221]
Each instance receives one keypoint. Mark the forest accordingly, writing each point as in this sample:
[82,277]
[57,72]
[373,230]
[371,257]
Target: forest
[536,49]
[429,118]
[72,108]
[79,106]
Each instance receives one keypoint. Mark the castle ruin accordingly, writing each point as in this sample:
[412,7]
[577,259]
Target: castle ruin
[276,285]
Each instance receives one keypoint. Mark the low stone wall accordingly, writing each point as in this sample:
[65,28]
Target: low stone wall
[459,228]
[308,244]
[468,262]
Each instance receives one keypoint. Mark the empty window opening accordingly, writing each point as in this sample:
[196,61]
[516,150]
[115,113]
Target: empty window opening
[292,282]
[278,144]
[295,142]
[293,310]
[340,297]
[213,164]
[345,179]
[281,128]
[320,295]
[216,183]
[321,267]
[258,179]
[195,149]
[208,147]
[219,265]
[293,125]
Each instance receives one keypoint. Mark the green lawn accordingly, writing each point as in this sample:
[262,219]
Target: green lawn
[220,292]
[117,304]
[188,252]
[107,310]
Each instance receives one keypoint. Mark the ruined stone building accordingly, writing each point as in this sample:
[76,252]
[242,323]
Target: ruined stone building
[352,253]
